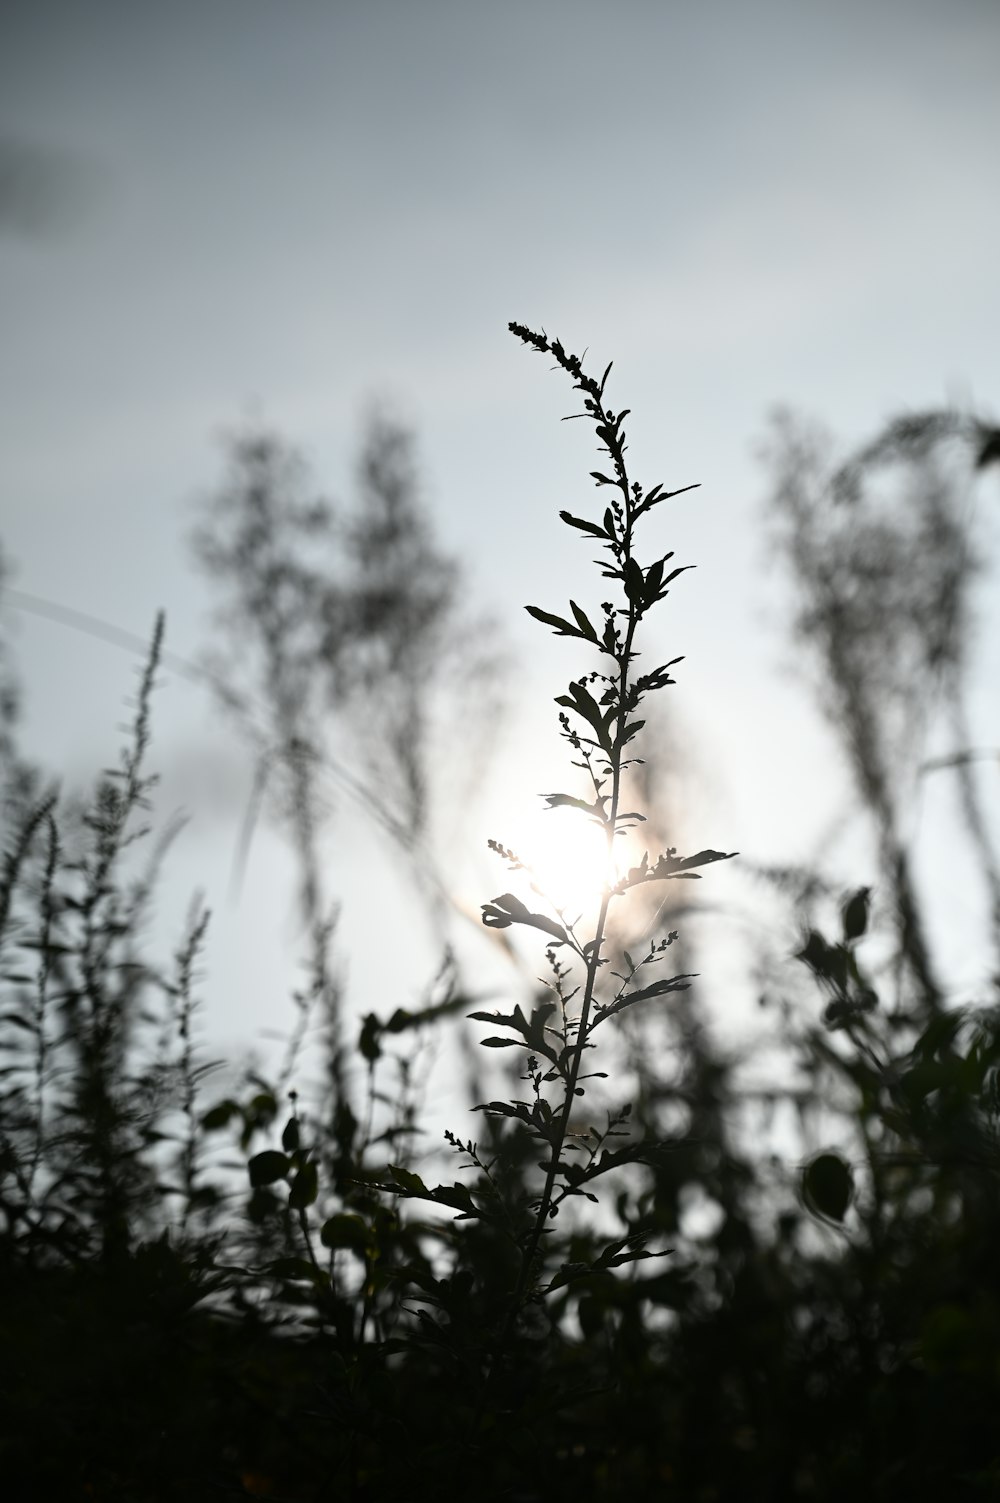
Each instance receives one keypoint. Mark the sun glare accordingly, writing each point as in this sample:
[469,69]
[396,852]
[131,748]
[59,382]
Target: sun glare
[569,858]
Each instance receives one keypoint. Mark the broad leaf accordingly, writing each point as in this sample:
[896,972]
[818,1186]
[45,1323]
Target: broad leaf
[268,1167]
[346,1230]
[220,1115]
[828,1186]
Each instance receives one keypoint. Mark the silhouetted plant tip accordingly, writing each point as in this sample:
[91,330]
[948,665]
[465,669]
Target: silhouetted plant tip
[603,707]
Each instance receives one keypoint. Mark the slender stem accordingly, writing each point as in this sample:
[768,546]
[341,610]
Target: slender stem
[594,958]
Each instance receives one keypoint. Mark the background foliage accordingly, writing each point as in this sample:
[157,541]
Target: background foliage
[788,1289]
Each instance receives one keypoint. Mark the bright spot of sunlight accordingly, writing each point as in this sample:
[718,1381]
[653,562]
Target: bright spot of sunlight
[568,856]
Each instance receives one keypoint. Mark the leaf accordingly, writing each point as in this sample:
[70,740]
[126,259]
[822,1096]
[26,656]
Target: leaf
[627,1250]
[583,702]
[653,576]
[629,1257]
[305,1187]
[458,1197]
[219,1115]
[345,1230]
[855,915]
[505,1108]
[635,584]
[593,528]
[537,1117]
[661,987]
[651,1151]
[368,1039]
[655,989]
[567,801]
[670,865]
[508,909]
[623,1250]
[601,479]
[828,1186]
[562,628]
[405,1179]
[658,494]
[290,1136]
[583,621]
[532,1030]
[498,1043]
[296,1268]
[814,952]
[268,1167]
[566,1275]
[659,678]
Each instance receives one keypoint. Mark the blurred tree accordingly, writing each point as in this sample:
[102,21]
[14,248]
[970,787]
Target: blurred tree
[345,640]
[883,559]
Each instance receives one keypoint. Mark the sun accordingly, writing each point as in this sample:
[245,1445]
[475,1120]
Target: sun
[568,857]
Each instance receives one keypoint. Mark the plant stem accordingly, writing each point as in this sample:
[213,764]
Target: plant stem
[594,958]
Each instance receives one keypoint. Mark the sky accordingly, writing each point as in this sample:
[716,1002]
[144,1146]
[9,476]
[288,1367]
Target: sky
[298,210]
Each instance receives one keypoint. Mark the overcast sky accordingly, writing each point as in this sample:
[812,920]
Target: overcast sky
[295,209]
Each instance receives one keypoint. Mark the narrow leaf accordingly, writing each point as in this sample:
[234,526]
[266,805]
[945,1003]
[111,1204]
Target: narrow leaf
[562,628]
[582,621]
[566,801]
[635,584]
[508,909]
[661,987]
[593,528]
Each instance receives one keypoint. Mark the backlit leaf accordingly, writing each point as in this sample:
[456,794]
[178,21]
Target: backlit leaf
[268,1167]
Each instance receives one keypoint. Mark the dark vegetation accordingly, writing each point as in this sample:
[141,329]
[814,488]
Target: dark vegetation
[621,1283]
